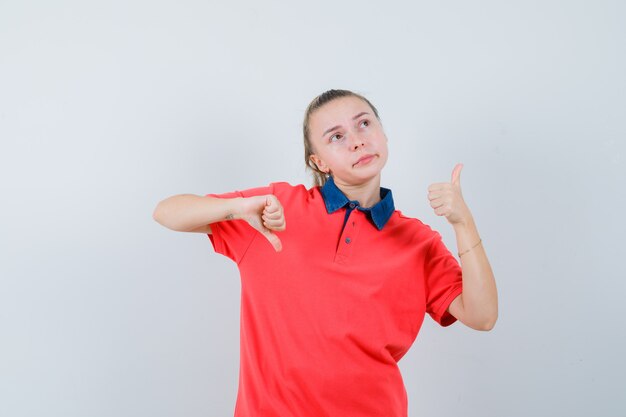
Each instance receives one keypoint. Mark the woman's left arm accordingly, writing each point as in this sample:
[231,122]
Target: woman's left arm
[477,306]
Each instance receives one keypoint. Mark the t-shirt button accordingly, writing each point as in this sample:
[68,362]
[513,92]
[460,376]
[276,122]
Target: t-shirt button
[352,205]
[348,240]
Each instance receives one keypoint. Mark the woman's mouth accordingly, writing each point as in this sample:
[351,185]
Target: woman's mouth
[364,160]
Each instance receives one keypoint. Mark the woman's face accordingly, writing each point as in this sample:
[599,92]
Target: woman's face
[348,141]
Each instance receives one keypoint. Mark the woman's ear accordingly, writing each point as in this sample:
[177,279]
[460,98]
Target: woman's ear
[319,163]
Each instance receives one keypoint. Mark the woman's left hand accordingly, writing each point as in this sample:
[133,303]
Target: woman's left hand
[447,200]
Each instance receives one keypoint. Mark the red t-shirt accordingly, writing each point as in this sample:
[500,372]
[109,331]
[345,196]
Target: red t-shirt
[325,321]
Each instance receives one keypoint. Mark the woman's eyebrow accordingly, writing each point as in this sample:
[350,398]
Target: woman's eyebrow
[338,126]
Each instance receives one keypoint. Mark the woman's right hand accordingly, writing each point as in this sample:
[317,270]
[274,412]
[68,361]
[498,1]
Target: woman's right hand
[265,214]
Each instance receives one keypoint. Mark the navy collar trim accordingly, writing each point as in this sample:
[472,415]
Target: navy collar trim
[379,214]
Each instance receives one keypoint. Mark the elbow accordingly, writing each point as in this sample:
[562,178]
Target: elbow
[167,216]
[487,324]
[483,322]
[160,215]
[157,214]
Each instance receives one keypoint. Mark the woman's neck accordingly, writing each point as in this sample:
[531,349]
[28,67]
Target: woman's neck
[367,193]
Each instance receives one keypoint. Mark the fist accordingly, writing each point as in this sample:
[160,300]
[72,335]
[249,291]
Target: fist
[265,214]
[447,200]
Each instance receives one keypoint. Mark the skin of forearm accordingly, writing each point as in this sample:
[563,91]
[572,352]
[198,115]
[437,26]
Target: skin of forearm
[186,212]
[480,299]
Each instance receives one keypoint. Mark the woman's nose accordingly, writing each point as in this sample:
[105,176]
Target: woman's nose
[356,141]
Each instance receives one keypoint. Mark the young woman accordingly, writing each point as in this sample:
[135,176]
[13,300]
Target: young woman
[335,282]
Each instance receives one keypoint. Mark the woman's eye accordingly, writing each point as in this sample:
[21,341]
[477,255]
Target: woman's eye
[335,138]
[365,122]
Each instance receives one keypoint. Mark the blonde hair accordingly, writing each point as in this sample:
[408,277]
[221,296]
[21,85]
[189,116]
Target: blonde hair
[320,177]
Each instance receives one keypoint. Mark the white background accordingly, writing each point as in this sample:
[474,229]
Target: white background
[106,108]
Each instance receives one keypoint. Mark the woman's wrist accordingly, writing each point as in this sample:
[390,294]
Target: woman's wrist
[466,224]
[234,208]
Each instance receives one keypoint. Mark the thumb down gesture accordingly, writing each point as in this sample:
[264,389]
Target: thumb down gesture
[265,214]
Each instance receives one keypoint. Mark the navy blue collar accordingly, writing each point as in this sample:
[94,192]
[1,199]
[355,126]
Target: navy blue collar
[379,214]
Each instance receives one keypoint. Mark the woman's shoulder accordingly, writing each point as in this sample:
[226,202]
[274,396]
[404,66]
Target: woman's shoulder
[286,186]
[413,224]
[287,190]
[277,188]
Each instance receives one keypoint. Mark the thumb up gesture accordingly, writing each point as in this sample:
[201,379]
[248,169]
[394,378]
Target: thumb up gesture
[447,200]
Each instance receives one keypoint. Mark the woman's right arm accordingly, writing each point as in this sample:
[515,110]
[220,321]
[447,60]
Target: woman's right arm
[194,213]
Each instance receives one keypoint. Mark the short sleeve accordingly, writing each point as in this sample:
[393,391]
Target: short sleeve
[232,238]
[444,281]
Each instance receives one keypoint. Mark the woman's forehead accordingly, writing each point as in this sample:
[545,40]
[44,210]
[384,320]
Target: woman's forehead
[338,112]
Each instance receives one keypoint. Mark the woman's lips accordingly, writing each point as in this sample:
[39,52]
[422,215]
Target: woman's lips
[364,160]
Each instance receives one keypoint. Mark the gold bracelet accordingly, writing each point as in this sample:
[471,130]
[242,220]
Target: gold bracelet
[463,253]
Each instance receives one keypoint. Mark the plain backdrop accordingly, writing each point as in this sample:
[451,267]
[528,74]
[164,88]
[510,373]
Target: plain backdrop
[106,108]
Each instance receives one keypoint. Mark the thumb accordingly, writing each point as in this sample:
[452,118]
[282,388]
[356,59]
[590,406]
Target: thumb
[456,174]
[273,239]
